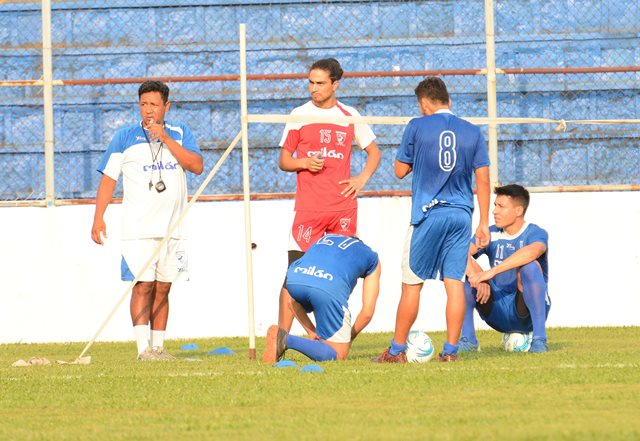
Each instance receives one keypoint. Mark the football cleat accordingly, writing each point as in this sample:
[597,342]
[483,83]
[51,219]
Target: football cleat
[276,344]
[386,357]
[161,354]
[465,345]
[539,344]
[446,358]
[147,355]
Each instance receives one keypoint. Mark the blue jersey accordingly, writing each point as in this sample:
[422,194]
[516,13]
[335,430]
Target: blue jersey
[444,151]
[333,264]
[503,245]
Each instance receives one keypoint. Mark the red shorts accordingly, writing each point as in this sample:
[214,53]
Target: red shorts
[309,226]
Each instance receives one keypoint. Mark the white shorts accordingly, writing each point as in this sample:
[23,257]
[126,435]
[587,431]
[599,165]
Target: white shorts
[408,276]
[170,265]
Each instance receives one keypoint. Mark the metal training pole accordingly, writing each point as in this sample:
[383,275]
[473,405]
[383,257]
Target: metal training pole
[163,241]
[245,186]
[47,102]
[491,92]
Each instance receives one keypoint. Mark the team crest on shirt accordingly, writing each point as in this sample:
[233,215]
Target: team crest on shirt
[344,223]
[341,138]
[181,257]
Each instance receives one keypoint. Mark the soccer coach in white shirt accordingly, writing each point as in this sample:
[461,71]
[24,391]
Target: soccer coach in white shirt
[153,156]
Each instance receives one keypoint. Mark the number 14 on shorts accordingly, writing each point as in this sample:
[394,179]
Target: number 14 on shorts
[304,234]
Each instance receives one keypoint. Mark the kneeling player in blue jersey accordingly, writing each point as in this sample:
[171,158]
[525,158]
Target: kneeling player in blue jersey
[512,295]
[321,281]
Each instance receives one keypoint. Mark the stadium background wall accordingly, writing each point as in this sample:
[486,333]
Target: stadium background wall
[58,286]
[110,41]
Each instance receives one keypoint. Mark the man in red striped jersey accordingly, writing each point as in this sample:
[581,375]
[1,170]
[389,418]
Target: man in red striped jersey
[320,154]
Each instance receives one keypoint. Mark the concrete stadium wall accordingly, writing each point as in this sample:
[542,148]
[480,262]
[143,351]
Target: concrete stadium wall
[58,286]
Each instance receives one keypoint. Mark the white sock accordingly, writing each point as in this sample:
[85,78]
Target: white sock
[142,337]
[157,338]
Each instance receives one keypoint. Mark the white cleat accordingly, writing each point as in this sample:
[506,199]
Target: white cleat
[163,355]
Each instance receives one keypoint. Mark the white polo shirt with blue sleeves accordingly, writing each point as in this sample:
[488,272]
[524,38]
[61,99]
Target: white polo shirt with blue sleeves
[147,213]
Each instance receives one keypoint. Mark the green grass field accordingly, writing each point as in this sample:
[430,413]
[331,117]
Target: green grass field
[586,388]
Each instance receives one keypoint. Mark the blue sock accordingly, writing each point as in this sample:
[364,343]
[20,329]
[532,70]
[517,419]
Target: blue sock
[448,348]
[534,290]
[468,327]
[396,348]
[314,349]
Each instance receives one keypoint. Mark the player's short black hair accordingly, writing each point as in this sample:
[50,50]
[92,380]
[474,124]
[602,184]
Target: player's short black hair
[516,192]
[434,89]
[154,86]
[330,65]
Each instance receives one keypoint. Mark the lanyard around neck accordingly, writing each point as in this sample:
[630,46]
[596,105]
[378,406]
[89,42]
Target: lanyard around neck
[160,185]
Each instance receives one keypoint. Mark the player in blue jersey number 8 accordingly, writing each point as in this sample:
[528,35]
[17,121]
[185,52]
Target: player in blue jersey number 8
[443,152]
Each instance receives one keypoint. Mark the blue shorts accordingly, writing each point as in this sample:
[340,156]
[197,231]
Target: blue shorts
[333,319]
[438,246]
[504,315]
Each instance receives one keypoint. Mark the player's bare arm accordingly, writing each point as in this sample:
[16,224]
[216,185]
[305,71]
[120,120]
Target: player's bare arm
[302,317]
[187,159]
[103,198]
[286,162]
[402,169]
[484,195]
[357,183]
[473,267]
[370,290]
[520,258]
[483,290]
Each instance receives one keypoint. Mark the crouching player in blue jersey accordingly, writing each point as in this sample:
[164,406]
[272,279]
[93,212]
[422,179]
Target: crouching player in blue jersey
[512,295]
[321,281]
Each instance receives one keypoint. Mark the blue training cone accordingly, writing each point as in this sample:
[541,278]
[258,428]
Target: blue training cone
[285,363]
[311,368]
[221,351]
[189,347]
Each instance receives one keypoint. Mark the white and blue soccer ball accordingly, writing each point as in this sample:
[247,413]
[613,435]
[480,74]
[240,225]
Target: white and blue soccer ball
[517,341]
[419,347]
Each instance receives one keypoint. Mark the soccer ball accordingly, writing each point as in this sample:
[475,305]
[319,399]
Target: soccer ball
[516,341]
[419,347]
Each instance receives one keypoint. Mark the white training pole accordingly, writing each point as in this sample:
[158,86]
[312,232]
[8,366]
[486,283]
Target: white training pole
[245,186]
[491,92]
[47,101]
[163,241]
